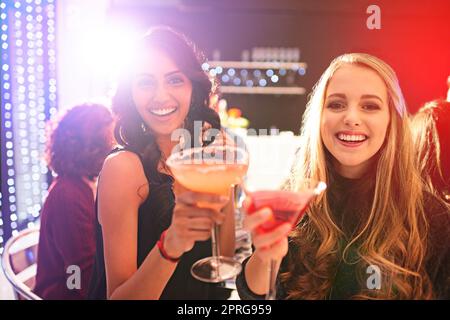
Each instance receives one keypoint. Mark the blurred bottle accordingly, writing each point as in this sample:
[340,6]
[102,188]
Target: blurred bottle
[235,119]
[222,111]
[216,55]
[214,102]
[245,55]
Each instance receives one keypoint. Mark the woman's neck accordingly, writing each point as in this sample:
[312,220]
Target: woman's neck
[352,172]
[166,145]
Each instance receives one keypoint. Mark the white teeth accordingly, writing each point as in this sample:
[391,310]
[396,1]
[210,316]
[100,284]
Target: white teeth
[162,112]
[346,137]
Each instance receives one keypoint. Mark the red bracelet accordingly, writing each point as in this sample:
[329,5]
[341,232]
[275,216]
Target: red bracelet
[162,251]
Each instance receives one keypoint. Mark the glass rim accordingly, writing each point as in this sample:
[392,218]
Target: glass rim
[318,188]
[178,156]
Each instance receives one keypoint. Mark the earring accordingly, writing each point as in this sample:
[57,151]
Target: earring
[144,128]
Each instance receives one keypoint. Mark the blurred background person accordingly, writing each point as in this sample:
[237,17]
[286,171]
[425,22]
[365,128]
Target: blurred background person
[431,131]
[78,143]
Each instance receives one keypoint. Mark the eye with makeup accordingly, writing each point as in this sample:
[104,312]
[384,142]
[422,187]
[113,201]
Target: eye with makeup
[145,82]
[371,106]
[335,105]
[175,80]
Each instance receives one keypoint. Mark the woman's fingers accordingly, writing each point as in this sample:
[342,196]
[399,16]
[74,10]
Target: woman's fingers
[276,251]
[267,239]
[218,216]
[193,223]
[255,219]
[185,222]
[196,212]
[199,235]
[192,211]
[199,224]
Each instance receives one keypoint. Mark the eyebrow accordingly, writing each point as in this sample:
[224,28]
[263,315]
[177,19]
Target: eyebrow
[364,96]
[339,95]
[151,75]
[371,96]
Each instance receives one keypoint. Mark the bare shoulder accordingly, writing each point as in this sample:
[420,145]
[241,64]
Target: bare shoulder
[122,160]
[123,173]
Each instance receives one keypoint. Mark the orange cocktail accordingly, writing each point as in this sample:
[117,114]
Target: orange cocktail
[211,169]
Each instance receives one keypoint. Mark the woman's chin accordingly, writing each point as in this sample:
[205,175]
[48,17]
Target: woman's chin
[351,167]
[165,130]
[351,163]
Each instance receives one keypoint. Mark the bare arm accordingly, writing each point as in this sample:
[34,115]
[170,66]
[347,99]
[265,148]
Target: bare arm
[268,246]
[257,275]
[122,188]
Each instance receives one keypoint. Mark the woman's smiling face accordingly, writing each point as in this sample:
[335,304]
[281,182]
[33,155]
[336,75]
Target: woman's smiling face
[161,92]
[355,118]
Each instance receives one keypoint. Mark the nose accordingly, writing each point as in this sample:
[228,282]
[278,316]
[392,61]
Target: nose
[160,94]
[352,117]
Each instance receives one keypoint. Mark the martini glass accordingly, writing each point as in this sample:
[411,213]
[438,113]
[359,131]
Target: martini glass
[287,207]
[211,169]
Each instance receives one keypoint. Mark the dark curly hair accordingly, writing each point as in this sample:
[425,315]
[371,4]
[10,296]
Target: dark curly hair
[128,130]
[79,141]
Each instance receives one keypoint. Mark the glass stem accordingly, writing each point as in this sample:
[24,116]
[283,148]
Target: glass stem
[273,271]
[215,240]
[215,243]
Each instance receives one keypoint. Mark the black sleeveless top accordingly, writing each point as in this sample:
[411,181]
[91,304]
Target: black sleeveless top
[155,216]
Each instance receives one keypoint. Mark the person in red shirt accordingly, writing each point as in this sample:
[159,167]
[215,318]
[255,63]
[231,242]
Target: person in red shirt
[78,144]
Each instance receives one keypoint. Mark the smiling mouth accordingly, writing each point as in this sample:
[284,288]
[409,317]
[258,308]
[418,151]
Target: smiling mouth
[351,138]
[163,111]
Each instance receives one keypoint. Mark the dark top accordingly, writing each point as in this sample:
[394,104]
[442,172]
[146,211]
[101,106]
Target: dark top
[155,216]
[67,237]
[344,196]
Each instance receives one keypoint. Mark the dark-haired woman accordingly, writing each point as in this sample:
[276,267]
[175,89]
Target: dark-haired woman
[150,230]
[77,146]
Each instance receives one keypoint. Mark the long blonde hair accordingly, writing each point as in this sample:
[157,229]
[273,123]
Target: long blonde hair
[393,236]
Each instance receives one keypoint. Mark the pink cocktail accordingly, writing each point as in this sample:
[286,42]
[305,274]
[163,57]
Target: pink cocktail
[286,206]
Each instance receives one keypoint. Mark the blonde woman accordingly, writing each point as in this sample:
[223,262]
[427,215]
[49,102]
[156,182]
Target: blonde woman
[374,221]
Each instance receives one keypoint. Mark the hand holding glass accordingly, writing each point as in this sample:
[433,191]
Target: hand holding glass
[211,169]
[266,191]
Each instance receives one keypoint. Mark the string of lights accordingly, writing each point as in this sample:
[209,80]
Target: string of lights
[28,82]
